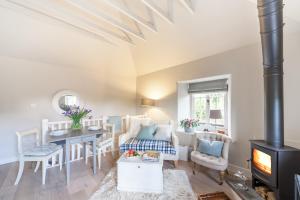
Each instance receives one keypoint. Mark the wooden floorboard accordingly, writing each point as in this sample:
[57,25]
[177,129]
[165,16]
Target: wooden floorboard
[83,183]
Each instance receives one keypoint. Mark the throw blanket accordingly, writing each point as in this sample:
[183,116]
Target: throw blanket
[146,145]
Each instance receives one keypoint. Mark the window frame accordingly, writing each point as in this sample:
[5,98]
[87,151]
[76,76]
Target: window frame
[185,112]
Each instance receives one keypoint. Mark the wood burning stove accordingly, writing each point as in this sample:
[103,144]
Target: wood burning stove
[274,167]
[272,163]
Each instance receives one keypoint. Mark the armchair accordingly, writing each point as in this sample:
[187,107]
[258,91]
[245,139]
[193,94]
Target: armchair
[217,163]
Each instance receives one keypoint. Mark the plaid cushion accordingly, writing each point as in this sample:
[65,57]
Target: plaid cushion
[146,145]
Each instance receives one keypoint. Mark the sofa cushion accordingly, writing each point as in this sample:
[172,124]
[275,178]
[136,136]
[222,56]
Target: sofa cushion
[164,147]
[163,132]
[135,125]
[146,132]
[210,147]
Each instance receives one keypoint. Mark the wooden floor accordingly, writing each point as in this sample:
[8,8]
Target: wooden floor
[83,182]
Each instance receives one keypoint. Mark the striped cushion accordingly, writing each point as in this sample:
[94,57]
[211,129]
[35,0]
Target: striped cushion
[42,150]
[146,145]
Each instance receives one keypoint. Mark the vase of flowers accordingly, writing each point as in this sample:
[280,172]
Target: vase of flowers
[189,124]
[76,113]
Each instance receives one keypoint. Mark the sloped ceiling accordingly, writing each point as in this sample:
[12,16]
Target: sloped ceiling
[154,34]
[216,26]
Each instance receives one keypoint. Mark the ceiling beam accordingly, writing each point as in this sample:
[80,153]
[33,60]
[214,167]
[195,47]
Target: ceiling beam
[150,25]
[90,9]
[189,5]
[19,7]
[68,18]
[165,15]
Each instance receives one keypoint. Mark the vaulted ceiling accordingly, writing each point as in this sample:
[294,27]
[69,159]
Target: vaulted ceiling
[155,34]
[112,21]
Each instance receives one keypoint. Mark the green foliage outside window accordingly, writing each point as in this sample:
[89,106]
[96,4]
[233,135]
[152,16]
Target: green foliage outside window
[216,102]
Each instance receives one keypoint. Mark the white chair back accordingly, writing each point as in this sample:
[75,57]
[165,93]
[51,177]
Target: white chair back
[52,126]
[28,139]
[93,122]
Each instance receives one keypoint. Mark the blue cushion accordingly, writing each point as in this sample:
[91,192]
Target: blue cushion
[147,132]
[213,148]
[117,121]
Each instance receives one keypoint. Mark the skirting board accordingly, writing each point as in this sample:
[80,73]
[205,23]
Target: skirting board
[234,168]
[8,160]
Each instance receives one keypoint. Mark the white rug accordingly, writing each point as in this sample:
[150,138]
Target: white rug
[176,187]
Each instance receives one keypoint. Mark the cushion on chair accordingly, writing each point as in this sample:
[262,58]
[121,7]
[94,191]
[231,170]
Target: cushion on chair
[209,161]
[42,150]
[210,147]
[146,132]
[146,145]
[163,132]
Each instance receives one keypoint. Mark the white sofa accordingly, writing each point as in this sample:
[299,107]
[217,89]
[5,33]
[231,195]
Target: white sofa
[134,124]
[219,164]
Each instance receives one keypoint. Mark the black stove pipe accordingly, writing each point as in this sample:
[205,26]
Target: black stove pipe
[271,30]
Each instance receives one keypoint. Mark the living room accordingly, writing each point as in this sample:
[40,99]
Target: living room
[139,67]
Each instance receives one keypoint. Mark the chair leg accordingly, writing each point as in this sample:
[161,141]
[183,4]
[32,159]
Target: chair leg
[78,151]
[226,171]
[60,159]
[86,154]
[222,174]
[113,154]
[194,167]
[44,167]
[176,163]
[99,159]
[21,168]
[53,161]
[37,166]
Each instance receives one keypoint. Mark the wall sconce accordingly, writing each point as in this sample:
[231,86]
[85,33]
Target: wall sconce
[148,102]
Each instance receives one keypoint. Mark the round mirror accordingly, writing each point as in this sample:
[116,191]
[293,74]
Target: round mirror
[64,100]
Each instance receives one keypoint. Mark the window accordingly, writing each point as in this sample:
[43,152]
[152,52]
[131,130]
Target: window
[203,103]
[207,99]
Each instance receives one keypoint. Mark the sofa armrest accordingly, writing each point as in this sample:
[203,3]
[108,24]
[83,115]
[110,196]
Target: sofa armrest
[123,138]
[175,141]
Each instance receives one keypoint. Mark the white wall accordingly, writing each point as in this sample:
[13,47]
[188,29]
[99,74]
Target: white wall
[27,89]
[39,58]
[245,66]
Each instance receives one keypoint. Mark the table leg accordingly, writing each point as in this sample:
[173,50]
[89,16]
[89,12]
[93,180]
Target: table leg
[68,161]
[94,156]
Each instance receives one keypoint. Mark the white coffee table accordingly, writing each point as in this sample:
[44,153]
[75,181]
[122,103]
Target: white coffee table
[136,175]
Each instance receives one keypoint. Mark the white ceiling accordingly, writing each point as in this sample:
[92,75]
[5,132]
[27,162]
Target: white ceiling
[156,34]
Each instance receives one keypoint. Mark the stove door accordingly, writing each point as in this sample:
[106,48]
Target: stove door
[264,164]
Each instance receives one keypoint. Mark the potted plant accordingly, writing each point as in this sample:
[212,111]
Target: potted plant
[189,124]
[75,113]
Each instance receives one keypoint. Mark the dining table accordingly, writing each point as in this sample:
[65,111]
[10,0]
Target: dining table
[69,136]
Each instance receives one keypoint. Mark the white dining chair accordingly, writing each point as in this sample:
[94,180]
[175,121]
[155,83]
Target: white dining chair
[29,149]
[105,142]
[60,125]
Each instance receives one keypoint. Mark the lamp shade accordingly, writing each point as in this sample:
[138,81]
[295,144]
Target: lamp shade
[215,114]
[147,102]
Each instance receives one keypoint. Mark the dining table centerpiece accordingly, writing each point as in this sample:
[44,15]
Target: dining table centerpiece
[76,114]
[189,124]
